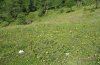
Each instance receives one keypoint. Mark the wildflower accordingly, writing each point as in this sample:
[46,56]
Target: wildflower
[43,60]
[58,61]
[67,54]
[98,62]
[47,52]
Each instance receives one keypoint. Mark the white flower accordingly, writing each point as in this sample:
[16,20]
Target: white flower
[21,52]
[47,52]
[67,54]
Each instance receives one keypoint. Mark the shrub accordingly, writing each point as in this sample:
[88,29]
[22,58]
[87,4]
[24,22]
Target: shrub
[41,12]
[4,23]
[21,19]
[32,16]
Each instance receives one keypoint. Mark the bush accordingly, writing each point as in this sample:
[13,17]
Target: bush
[31,17]
[6,17]
[41,12]
[4,23]
[21,19]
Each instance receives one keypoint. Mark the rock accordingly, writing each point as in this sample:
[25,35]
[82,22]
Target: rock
[21,52]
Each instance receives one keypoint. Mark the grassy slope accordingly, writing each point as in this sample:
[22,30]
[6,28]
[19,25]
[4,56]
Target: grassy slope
[48,41]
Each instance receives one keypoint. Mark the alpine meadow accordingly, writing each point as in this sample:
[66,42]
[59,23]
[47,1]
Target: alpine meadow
[49,32]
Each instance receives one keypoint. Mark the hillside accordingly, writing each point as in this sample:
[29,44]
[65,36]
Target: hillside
[58,39]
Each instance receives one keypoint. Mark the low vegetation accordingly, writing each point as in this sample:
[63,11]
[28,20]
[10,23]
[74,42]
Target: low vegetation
[55,39]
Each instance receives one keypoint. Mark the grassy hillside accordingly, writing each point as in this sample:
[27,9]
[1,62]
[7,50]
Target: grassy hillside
[59,39]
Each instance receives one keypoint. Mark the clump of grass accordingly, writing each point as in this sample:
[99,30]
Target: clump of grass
[88,9]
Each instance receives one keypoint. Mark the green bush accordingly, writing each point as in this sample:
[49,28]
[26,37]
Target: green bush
[4,23]
[21,19]
[31,17]
[41,12]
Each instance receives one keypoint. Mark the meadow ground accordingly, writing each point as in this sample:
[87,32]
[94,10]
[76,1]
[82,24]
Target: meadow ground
[59,39]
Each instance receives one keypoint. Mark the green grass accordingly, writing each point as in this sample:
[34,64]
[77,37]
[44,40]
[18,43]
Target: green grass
[47,42]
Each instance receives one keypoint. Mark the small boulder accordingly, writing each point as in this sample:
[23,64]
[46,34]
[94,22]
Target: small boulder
[21,52]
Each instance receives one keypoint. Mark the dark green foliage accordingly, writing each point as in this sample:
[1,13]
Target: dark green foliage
[21,5]
[15,9]
[42,11]
[70,3]
[31,6]
[21,19]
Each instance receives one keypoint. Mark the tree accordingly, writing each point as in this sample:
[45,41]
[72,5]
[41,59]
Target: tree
[15,9]
[21,5]
[3,10]
[32,6]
